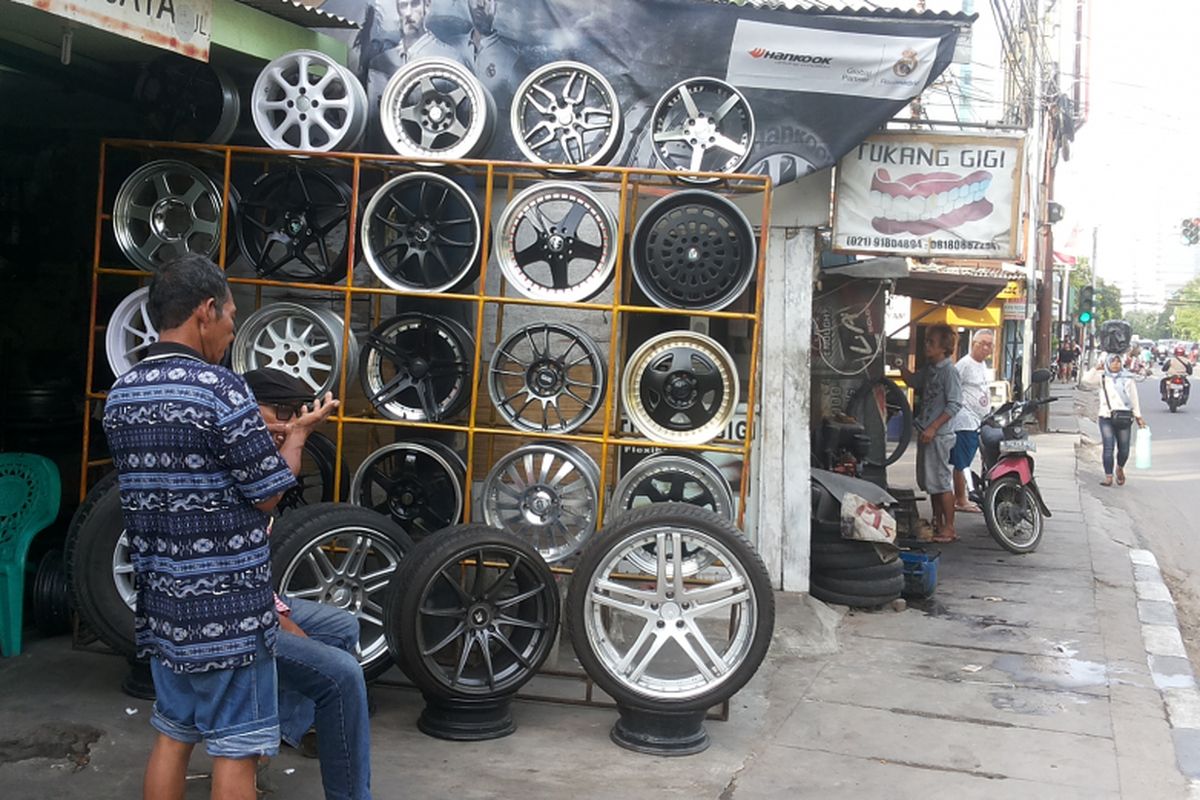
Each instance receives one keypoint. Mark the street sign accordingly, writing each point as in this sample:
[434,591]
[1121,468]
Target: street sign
[181,26]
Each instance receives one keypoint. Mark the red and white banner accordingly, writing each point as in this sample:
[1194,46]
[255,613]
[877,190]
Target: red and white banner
[927,194]
[182,26]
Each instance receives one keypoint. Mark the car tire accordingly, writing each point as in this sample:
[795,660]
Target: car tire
[92,540]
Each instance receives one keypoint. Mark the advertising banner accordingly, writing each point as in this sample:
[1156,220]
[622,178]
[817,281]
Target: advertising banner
[924,194]
[181,26]
[816,85]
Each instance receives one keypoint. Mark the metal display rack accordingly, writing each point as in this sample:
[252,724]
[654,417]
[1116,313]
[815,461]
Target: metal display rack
[632,184]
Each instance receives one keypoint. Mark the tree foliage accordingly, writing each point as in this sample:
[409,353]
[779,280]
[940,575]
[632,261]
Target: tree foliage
[1107,301]
[1148,324]
[1182,314]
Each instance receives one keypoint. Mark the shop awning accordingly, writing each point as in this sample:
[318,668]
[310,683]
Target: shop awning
[972,284]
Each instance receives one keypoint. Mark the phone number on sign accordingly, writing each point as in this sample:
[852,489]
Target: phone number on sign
[893,243]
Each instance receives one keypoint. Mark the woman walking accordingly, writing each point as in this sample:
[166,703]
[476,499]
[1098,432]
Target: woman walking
[1119,408]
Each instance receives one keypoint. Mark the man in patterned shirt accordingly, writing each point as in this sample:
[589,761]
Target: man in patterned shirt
[199,473]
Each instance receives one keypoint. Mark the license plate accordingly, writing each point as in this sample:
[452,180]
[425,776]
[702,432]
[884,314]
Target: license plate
[1018,446]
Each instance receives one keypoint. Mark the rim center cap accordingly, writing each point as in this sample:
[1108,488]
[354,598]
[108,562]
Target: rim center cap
[341,596]
[681,387]
[670,611]
[556,243]
[436,114]
[564,116]
[422,232]
[418,368]
[545,379]
[479,615]
[539,501]
[693,254]
[171,218]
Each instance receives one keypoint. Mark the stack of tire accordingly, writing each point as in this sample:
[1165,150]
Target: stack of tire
[848,572]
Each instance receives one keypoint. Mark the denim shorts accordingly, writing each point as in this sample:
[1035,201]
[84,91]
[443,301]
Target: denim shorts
[233,711]
[966,445]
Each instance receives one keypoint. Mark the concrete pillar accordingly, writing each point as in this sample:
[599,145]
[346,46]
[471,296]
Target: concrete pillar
[781,470]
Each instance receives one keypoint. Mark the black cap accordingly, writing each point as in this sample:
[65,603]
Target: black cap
[274,386]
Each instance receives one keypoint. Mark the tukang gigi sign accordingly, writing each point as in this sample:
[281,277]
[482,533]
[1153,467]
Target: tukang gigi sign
[924,194]
[181,26]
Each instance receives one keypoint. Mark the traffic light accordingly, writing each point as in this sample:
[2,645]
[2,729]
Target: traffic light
[1087,298]
[1189,230]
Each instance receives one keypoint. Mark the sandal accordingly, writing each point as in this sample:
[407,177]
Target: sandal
[1120,476]
[1108,481]
[942,539]
[969,508]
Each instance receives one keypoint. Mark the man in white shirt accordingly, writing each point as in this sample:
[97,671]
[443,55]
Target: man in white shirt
[976,402]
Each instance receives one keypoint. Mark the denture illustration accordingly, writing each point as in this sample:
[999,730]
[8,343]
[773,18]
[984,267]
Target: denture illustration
[922,203]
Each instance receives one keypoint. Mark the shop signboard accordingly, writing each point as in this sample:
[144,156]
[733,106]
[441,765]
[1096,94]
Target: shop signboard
[1014,309]
[181,26]
[924,194]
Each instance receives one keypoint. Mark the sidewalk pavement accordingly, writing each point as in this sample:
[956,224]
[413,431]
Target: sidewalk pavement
[1025,677]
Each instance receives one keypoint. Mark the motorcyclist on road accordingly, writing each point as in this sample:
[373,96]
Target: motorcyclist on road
[1176,364]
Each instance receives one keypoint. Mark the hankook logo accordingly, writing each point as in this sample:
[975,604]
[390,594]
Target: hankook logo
[790,58]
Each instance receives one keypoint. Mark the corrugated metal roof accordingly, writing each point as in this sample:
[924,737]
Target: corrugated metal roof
[299,14]
[863,9]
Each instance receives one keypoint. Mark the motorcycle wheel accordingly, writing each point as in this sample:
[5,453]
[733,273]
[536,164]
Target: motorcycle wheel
[1173,406]
[1013,516]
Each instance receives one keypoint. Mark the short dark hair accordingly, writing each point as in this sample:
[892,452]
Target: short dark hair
[182,284]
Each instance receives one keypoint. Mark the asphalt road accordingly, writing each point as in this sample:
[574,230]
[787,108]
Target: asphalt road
[1162,500]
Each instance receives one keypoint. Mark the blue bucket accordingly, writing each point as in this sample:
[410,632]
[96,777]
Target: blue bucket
[920,573]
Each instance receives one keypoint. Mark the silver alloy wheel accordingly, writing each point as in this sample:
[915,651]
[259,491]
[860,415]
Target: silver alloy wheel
[557,241]
[423,493]
[681,638]
[304,100]
[122,572]
[421,232]
[129,333]
[166,209]
[436,108]
[702,125]
[680,387]
[545,493]
[303,342]
[566,113]
[553,370]
[348,568]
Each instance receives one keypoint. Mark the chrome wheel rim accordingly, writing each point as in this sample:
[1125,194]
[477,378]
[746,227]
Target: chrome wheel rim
[693,249]
[122,572]
[566,113]
[546,494]
[348,568]
[680,387]
[435,108]
[421,232]
[662,637]
[547,377]
[295,225]
[303,342]
[418,484]
[556,241]
[164,210]
[702,125]
[418,367]
[304,100]
[129,333]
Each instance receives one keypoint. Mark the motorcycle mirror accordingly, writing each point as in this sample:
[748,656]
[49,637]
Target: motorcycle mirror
[1041,376]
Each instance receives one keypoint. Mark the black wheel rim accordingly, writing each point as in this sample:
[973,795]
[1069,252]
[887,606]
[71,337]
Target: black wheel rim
[295,225]
[484,631]
[682,389]
[417,367]
[547,377]
[693,249]
[421,232]
[314,484]
[418,484]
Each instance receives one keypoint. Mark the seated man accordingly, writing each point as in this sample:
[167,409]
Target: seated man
[1176,364]
[320,679]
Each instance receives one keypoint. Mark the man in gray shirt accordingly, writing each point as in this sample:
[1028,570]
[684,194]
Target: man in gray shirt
[941,400]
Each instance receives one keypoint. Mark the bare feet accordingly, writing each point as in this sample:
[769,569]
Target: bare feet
[945,536]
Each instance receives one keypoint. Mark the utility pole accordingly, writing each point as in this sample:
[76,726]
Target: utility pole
[1034,170]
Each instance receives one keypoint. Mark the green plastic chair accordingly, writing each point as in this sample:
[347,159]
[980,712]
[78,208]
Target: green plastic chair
[29,496]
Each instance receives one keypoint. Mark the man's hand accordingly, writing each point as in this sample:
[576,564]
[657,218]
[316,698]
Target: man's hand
[308,418]
[288,626]
[927,435]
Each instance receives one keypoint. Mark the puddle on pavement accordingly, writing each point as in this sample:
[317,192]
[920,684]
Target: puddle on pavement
[54,741]
[933,608]
[1059,673]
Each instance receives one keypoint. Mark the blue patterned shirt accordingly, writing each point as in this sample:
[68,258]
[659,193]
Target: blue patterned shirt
[194,456]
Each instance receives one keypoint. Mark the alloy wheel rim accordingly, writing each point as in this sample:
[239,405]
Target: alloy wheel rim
[349,568]
[680,387]
[436,108]
[303,342]
[420,485]
[547,495]
[304,100]
[547,377]
[129,333]
[418,367]
[556,241]
[166,209]
[670,636]
[566,113]
[122,572]
[702,125]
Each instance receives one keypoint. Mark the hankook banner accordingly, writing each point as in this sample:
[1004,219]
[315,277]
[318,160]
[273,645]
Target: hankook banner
[924,194]
[817,85]
[182,26]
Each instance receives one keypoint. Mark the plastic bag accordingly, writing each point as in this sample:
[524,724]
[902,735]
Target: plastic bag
[1141,448]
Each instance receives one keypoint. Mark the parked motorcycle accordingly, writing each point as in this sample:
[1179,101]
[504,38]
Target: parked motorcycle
[1176,392]
[1012,503]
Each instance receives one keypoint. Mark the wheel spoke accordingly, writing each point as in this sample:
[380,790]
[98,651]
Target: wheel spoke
[522,597]
[447,641]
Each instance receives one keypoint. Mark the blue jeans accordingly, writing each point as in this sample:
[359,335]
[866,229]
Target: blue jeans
[321,681]
[1111,436]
